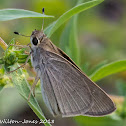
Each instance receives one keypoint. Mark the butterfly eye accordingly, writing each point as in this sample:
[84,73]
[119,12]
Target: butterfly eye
[35,41]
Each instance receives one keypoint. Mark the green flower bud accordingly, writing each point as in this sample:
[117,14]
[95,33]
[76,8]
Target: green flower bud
[10,58]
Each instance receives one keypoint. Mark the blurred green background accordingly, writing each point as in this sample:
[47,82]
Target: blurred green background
[101,33]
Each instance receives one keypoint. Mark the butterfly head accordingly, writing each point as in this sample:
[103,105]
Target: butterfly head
[37,37]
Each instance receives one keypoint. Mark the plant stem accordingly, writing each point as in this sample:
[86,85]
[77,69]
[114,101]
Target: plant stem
[3,44]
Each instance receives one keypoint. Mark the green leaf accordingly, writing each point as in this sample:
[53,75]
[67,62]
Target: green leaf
[99,65]
[68,41]
[11,14]
[21,84]
[77,9]
[97,121]
[109,69]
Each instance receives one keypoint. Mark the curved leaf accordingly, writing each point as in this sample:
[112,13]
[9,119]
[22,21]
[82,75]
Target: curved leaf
[109,69]
[68,40]
[21,84]
[77,9]
[10,14]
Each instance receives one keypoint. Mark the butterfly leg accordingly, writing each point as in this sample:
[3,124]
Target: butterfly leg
[22,46]
[33,87]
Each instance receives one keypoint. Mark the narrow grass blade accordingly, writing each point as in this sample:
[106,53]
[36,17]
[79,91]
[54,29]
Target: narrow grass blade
[68,41]
[11,14]
[77,9]
[109,69]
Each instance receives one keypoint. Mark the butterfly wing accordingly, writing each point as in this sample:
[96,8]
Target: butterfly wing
[103,105]
[64,87]
[49,94]
[97,93]
[74,93]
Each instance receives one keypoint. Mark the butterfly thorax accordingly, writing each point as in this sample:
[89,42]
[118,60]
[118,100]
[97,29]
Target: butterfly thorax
[40,45]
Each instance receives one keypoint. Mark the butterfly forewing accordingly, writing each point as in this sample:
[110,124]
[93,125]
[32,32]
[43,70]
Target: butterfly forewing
[103,105]
[69,88]
[75,94]
[70,96]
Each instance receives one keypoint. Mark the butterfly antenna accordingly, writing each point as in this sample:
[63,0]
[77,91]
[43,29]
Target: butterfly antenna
[17,33]
[43,18]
